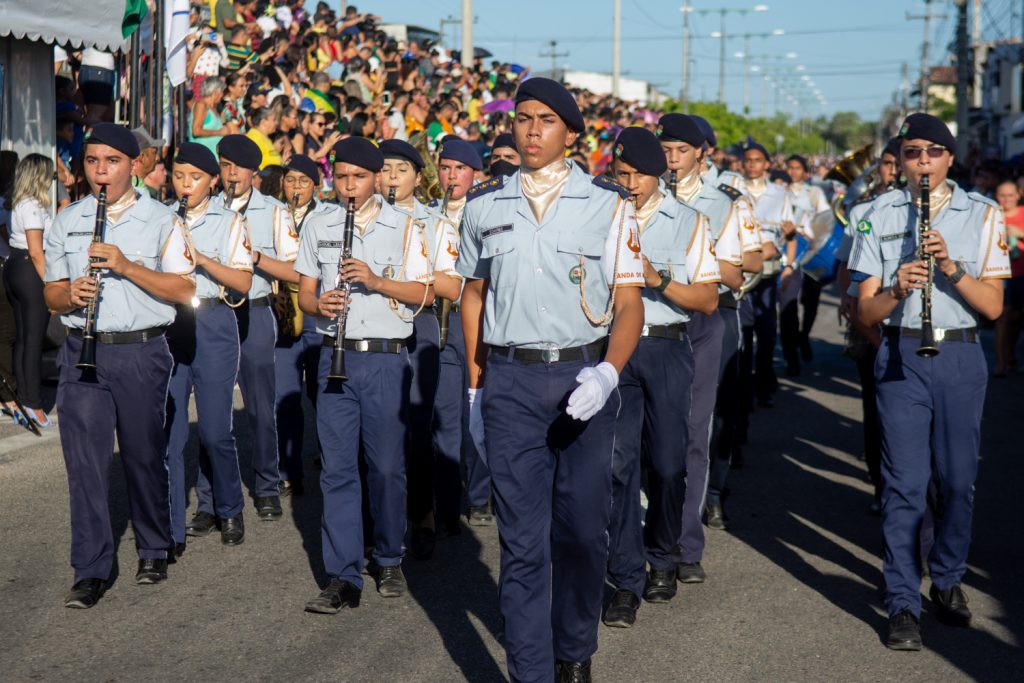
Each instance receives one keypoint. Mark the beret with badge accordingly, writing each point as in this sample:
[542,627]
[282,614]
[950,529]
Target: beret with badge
[300,163]
[114,136]
[400,149]
[640,149]
[358,152]
[194,154]
[240,150]
[680,128]
[554,95]
[921,126]
[461,151]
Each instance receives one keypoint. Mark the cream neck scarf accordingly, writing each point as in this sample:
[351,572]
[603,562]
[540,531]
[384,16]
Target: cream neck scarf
[688,187]
[756,187]
[543,186]
[238,202]
[367,214]
[650,207]
[197,212]
[938,198]
[408,204]
[119,207]
[455,207]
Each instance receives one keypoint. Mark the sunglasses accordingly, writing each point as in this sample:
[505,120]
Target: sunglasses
[934,152]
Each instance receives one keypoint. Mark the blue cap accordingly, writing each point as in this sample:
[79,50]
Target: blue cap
[240,150]
[400,149]
[554,95]
[640,149]
[459,150]
[197,155]
[117,137]
[300,163]
[921,126]
[679,128]
[503,140]
[750,144]
[706,129]
[358,152]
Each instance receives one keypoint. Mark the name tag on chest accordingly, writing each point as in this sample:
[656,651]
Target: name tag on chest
[327,244]
[497,230]
[896,236]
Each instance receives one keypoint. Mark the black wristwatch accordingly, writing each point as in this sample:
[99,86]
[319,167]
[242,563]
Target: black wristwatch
[958,274]
[666,280]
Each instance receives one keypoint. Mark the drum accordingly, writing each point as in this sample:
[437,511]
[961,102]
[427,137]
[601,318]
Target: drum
[821,264]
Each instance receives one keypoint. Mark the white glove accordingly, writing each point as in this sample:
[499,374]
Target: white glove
[476,420]
[595,386]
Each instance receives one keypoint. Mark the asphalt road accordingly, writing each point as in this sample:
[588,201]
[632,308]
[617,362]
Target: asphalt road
[793,590]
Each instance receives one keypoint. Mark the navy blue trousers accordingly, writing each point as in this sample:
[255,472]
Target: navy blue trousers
[204,344]
[729,407]
[424,357]
[930,410]
[552,491]
[296,362]
[369,410]
[126,396]
[706,333]
[652,434]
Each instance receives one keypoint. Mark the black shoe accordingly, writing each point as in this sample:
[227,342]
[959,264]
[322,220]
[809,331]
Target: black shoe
[952,604]
[806,353]
[904,632]
[621,612]
[268,508]
[391,582]
[152,570]
[85,593]
[201,525]
[422,542]
[232,530]
[447,530]
[661,585]
[480,515]
[714,517]
[291,488]
[175,552]
[690,572]
[572,672]
[338,594]
[736,460]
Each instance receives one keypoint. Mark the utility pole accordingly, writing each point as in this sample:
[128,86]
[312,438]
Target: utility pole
[721,63]
[467,34]
[925,77]
[554,54]
[963,75]
[980,53]
[685,94]
[746,74]
[616,46]
[444,39]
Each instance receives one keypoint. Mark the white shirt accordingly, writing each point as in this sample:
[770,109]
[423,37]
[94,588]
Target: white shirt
[28,214]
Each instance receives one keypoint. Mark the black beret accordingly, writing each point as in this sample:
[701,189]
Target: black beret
[503,140]
[553,94]
[300,163]
[797,158]
[358,152]
[459,150]
[892,147]
[750,144]
[922,126]
[503,168]
[640,149]
[776,174]
[400,149]
[240,150]
[706,129]
[112,135]
[679,128]
[197,155]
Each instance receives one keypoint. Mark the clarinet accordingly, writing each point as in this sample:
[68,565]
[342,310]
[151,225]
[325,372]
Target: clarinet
[87,358]
[338,357]
[391,195]
[928,347]
[444,311]
[229,195]
[673,180]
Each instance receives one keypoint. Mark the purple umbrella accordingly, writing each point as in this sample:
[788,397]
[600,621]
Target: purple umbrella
[499,105]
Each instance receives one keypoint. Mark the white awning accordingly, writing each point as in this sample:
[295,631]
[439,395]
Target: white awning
[78,23]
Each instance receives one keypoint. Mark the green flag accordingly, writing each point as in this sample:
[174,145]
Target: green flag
[134,12]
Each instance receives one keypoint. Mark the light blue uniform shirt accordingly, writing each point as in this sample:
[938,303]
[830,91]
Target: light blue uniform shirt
[390,246]
[271,232]
[540,273]
[975,235]
[148,233]
[221,235]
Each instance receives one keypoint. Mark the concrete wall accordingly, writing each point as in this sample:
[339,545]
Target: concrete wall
[27,100]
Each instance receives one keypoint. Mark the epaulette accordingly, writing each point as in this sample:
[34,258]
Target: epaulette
[485,187]
[433,203]
[606,183]
[978,197]
[730,191]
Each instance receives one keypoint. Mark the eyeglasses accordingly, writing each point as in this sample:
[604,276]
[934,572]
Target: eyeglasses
[319,123]
[303,183]
[934,152]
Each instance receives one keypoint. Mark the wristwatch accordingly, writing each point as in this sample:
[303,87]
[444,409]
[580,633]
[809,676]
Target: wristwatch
[666,280]
[958,274]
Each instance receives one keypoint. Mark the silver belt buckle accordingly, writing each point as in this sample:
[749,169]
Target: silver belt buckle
[550,354]
[645,331]
[362,345]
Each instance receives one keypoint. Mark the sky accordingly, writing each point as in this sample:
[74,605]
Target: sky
[852,52]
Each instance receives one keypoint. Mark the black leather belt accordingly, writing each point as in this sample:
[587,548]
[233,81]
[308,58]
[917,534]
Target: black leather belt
[456,307]
[369,345]
[260,301]
[588,352]
[965,334]
[209,303]
[677,331]
[727,300]
[135,337]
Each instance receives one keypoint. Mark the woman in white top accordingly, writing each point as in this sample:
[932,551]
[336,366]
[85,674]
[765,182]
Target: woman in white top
[23,277]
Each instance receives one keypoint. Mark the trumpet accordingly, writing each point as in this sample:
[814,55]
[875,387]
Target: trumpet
[928,347]
[337,370]
[290,322]
[87,357]
[444,309]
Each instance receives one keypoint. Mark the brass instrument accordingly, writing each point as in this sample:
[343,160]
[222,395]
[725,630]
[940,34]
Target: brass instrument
[848,169]
[928,347]
[289,324]
[337,370]
[429,187]
[444,308]
[87,357]
[750,281]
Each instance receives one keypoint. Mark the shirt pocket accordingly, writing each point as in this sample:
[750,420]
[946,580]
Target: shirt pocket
[894,254]
[500,251]
[671,260]
[388,266]
[76,250]
[580,254]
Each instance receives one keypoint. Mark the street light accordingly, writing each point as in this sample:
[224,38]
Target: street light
[720,34]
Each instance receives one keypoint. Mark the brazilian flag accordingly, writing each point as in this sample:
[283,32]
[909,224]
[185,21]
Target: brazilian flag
[134,13]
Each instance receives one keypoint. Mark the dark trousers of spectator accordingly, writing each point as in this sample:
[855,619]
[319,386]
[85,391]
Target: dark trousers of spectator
[25,293]
[6,331]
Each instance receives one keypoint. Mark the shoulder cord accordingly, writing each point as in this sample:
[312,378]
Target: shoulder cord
[606,319]
[392,302]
